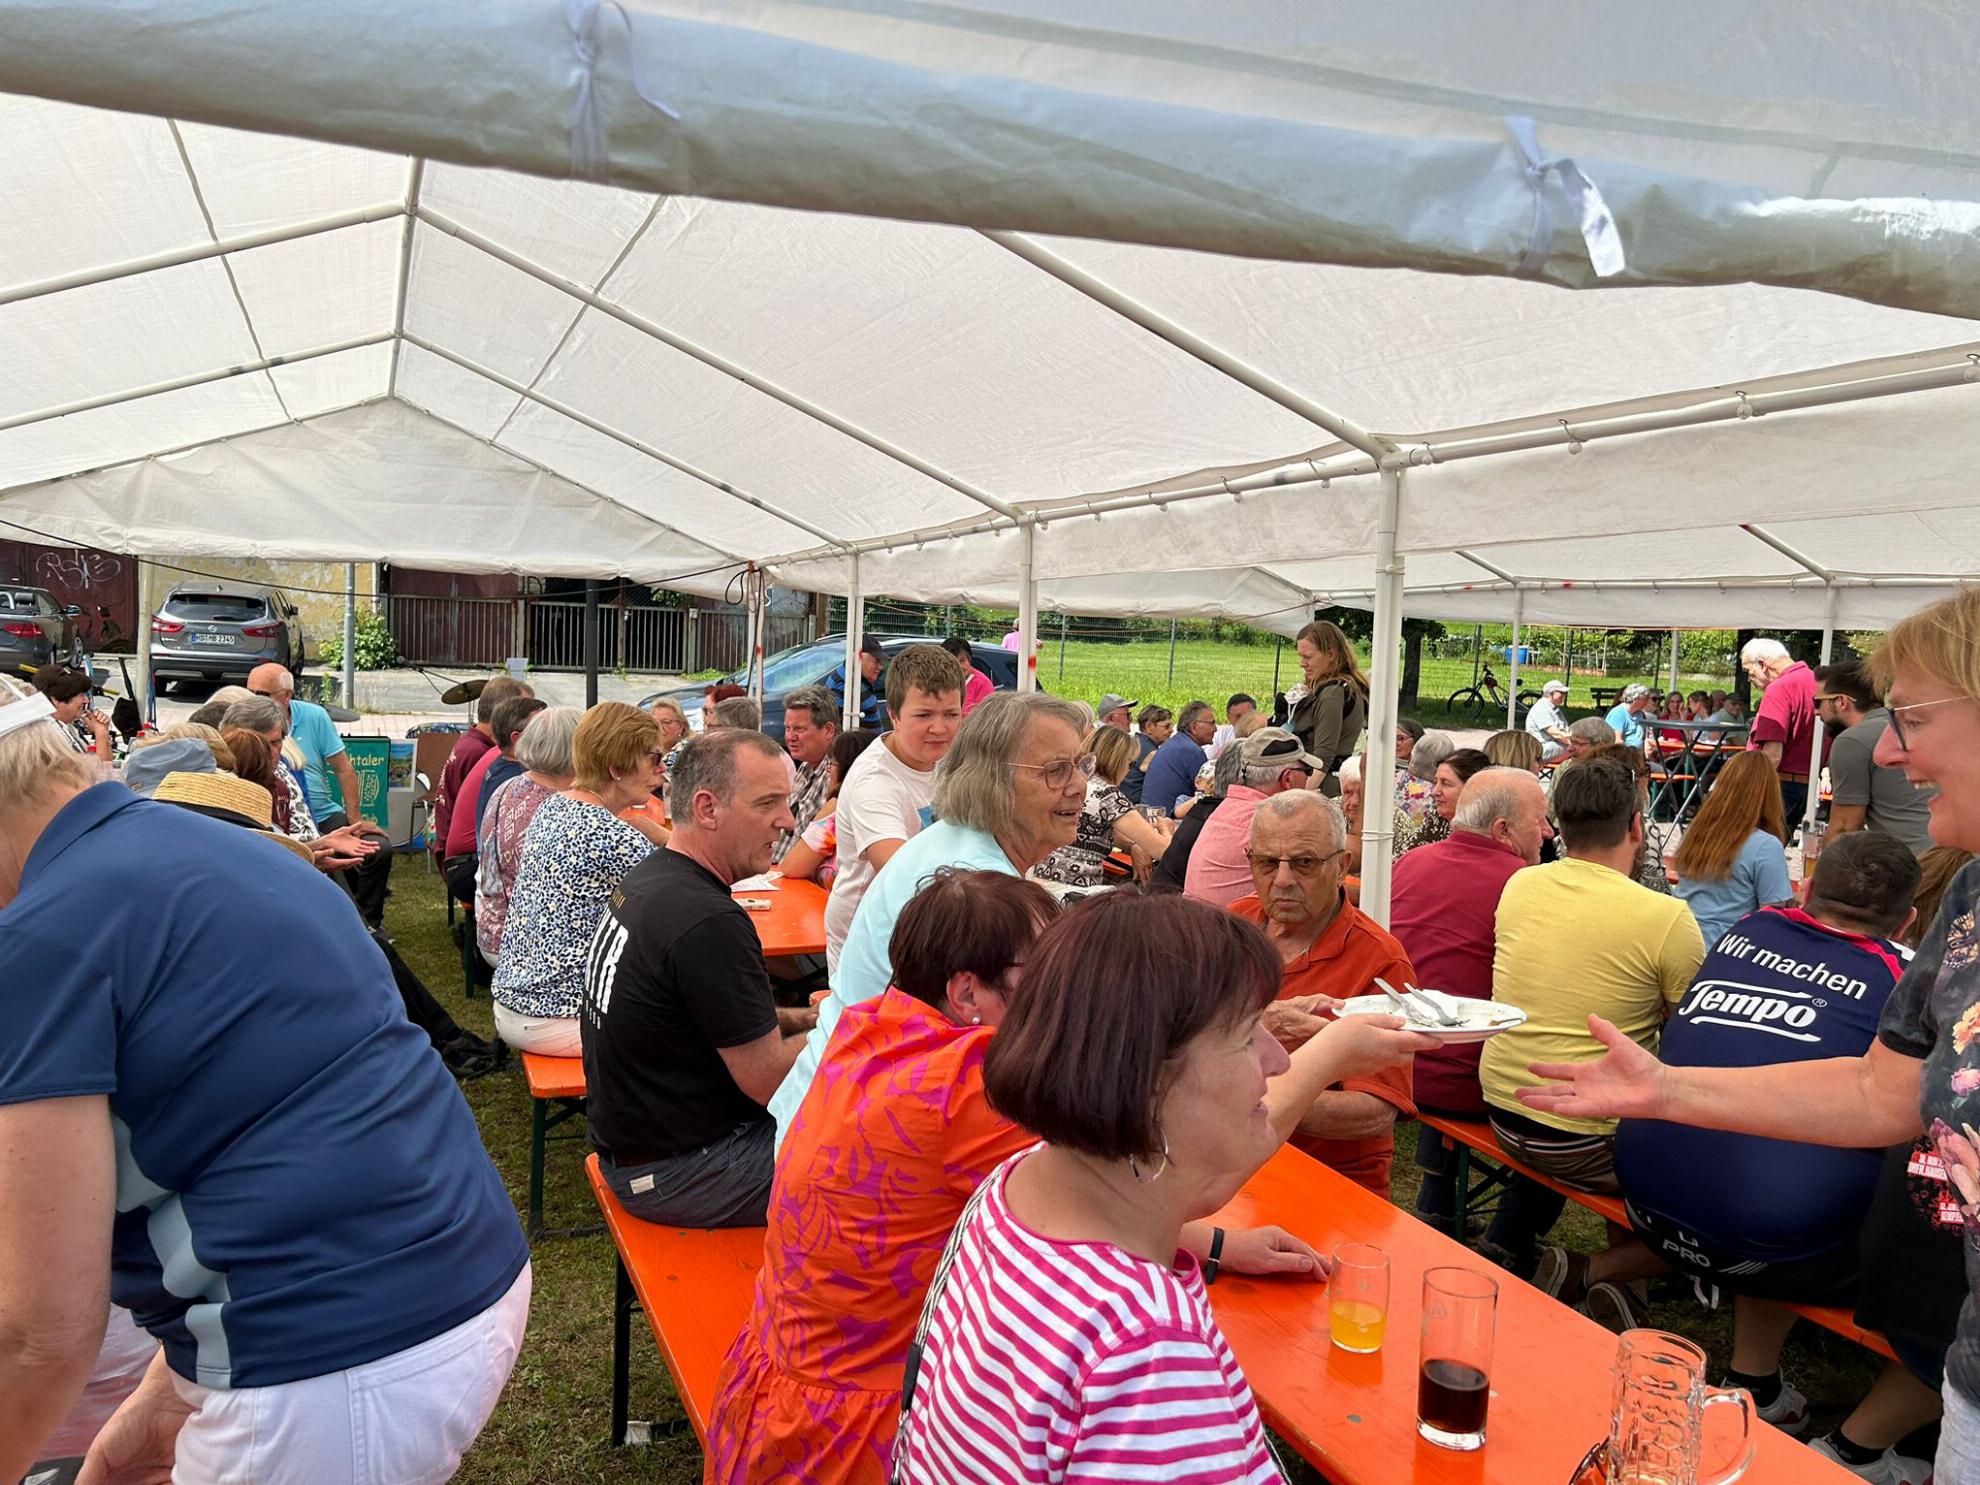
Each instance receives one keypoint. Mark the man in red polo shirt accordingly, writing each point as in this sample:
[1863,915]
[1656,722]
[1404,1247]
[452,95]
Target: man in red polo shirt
[1443,907]
[1298,852]
[1784,722]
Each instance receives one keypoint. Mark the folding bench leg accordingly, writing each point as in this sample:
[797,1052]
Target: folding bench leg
[537,1126]
[623,1301]
[1461,1179]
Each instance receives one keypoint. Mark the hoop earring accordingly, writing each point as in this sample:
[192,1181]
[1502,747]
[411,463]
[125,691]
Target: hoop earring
[1134,1166]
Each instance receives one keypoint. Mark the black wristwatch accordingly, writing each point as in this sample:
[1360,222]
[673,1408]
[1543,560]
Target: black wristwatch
[1216,1252]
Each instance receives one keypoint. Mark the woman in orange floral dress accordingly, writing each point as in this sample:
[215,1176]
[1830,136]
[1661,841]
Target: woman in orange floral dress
[889,1144]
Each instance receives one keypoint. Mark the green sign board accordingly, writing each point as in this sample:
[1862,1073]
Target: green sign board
[372,758]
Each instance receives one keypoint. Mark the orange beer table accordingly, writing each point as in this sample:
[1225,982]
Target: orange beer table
[1355,1416]
[795,923]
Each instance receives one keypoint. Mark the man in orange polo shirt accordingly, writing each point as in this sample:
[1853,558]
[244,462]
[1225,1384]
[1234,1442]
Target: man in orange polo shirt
[1330,947]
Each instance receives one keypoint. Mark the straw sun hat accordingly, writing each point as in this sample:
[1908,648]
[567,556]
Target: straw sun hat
[221,796]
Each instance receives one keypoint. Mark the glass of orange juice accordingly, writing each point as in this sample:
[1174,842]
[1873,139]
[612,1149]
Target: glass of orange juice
[1358,1297]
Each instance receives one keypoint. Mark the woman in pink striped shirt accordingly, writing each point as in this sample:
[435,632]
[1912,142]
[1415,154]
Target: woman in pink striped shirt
[1068,1335]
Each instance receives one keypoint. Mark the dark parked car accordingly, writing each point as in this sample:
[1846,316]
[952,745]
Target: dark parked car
[804,665]
[211,631]
[35,630]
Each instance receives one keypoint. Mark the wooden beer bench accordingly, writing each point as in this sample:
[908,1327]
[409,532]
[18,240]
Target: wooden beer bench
[556,1090]
[1475,1136]
[695,1287]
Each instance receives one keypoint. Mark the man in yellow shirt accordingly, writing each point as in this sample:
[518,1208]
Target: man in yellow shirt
[1574,938]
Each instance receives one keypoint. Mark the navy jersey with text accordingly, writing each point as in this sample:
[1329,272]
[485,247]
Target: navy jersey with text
[1777,987]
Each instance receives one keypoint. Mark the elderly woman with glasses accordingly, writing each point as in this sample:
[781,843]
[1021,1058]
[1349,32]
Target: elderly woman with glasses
[1921,1075]
[574,852]
[1008,793]
[1108,818]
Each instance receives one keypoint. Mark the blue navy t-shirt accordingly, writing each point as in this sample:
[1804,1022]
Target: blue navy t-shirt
[1777,987]
[300,1186]
[1172,772]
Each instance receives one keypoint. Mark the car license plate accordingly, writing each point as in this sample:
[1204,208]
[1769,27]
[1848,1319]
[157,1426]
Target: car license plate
[223,640]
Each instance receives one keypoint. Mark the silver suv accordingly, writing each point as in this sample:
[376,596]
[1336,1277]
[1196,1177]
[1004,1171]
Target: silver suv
[213,631]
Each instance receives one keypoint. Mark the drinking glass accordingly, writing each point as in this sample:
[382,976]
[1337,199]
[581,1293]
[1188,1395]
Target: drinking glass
[1358,1298]
[1454,1376]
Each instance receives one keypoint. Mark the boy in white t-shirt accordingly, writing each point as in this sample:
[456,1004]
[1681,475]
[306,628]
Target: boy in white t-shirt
[884,798]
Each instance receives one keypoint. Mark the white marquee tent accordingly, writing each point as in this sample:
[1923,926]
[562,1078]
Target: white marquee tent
[1119,308]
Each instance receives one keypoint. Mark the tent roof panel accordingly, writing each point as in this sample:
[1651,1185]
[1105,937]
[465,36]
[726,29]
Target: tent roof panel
[1413,353]
[854,301]
[256,182]
[453,395]
[481,308]
[692,412]
[321,290]
[134,430]
[571,227]
[325,383]
[118,336]
[84,188]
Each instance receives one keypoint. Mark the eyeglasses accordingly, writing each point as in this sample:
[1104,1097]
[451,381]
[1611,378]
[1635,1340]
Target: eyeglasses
[1897,719]
[1302,866]
[1059,773]
[657,757]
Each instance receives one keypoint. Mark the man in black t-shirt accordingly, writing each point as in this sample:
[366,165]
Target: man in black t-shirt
[683,1044]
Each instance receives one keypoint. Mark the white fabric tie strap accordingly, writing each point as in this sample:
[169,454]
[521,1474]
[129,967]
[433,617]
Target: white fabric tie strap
[36,708]
[589,154]
[1598,227]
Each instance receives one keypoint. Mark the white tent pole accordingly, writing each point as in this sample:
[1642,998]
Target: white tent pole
[202,252]
[636,444]
[1027,608]
[1799,560]
[707,357]
[146,699]
[1345,429]
[1378,808]
[1815,737]
[753,593]
[414,177]
[348,695]
[1674,659]
[855,632]
[1512,685]
[197,379]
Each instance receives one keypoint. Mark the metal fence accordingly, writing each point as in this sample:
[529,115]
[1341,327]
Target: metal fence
[549,633]
[454,631]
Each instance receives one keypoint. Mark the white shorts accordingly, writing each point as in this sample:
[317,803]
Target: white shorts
[405,1419]
[547,1036]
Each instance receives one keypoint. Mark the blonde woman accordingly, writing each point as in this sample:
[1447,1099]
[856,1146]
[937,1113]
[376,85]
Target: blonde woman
[1108,818]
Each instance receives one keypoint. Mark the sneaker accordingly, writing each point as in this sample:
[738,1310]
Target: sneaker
[1562,1275]
[1888,1468]
[1788,1412]
[1616,1307]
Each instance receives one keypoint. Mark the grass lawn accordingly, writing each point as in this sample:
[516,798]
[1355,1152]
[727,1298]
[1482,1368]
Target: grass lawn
[550,1428]
[1213,670]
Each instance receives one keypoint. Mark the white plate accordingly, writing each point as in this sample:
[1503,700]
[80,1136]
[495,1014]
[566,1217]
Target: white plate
[1481,1018]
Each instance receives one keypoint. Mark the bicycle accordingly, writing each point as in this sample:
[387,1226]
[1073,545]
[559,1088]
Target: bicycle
[1487,699]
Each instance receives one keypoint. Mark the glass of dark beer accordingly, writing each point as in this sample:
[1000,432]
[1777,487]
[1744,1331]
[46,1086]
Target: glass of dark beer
[1454,1376]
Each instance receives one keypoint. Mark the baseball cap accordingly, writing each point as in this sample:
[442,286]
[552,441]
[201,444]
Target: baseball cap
[1113,701]
[1276,746]
[1552,686]
[870,645]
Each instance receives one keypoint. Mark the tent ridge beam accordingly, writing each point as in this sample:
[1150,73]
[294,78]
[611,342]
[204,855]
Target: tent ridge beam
[1101,292]
[415,178]
[717,362]
[196,379]
[639,446]
[202,252]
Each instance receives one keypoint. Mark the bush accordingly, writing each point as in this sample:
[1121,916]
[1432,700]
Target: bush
[376,649]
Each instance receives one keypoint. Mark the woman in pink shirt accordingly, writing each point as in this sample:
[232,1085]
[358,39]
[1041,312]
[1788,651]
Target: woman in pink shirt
[1068,1334]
